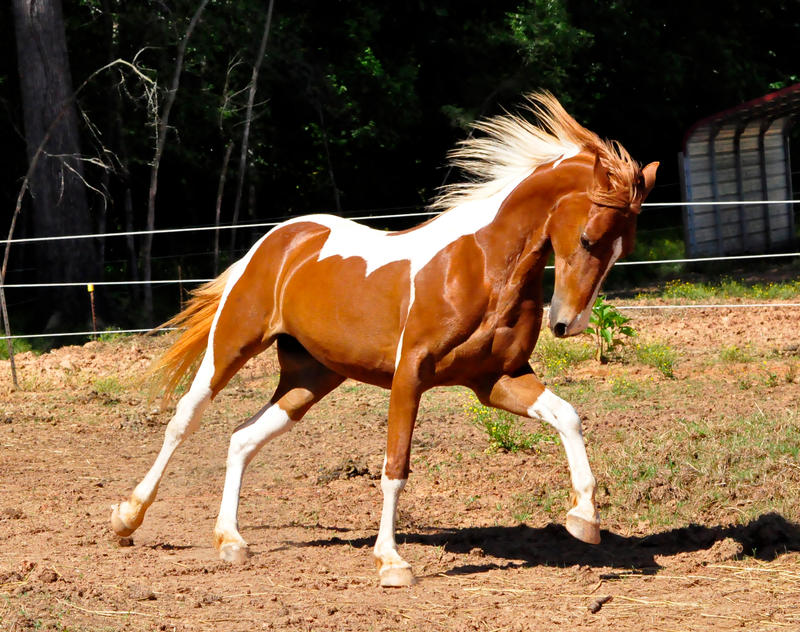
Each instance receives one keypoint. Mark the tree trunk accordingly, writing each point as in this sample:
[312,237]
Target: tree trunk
[145,254]
[218,210]
[56,184]
[251,96]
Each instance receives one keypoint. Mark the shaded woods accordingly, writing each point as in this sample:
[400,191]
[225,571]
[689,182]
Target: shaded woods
[327,106]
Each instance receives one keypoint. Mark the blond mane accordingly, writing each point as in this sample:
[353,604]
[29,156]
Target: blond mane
[512,146]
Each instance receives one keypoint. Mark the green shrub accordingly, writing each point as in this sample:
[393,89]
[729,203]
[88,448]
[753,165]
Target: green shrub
[20,345]
[110,335]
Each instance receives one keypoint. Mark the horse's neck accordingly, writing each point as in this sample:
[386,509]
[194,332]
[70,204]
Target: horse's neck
[516,239]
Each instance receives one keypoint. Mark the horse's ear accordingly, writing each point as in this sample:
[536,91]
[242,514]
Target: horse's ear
[601,175]
[648,179]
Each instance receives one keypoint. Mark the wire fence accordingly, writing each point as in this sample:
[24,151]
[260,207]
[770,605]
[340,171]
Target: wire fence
[375,217]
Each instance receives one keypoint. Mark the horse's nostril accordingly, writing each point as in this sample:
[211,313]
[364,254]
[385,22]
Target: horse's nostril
[560,330]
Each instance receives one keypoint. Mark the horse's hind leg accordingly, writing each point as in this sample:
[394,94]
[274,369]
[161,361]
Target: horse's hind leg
[126,517]
[303,382]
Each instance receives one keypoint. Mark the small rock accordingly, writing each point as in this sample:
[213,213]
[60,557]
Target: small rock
[12,513]
[123,542]
[48,576]
[140,593]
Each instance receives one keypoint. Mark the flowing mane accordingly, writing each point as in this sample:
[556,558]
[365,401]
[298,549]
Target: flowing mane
[513,146]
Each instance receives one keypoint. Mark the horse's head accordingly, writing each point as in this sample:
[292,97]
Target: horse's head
[589,232]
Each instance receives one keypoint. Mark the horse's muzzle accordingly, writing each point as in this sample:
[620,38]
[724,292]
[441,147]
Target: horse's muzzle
[567,324]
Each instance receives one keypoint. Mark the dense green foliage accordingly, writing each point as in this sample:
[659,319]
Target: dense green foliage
[358,103]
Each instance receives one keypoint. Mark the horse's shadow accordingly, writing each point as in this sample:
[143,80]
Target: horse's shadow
[765,538]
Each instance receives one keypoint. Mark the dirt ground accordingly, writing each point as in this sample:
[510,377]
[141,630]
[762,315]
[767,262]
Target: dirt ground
[81,433]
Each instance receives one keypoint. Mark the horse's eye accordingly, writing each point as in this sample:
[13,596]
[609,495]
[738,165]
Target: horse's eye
[586,243]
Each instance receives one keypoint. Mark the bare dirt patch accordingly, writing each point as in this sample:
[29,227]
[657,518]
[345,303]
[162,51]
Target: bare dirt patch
[700,516]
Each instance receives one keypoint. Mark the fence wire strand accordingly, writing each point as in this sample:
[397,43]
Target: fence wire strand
[369,217]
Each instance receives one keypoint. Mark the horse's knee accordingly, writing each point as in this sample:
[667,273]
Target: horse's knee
[557,412]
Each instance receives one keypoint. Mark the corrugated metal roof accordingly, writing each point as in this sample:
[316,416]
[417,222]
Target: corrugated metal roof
[784,102]
[740,154]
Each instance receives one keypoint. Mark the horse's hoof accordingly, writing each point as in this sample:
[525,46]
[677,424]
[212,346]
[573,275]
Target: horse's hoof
[234,553]
[118,524]
[583,530]
[395,576]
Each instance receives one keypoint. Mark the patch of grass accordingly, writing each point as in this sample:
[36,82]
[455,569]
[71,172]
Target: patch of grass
[699,466]
[625,388]
[111,334]
[657,355]
[577,392]
[734,354]
[526,505]
[504,429]
[732,288]
[107,387]
[557,356]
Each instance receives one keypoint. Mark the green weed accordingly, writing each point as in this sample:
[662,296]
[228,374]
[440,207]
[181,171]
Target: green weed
[623,387]
[111,334]
[503,429]
[608,327]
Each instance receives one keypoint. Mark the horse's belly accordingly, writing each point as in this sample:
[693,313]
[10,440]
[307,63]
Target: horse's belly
[352,323]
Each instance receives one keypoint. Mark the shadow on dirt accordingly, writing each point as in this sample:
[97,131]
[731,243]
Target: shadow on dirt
[765,538]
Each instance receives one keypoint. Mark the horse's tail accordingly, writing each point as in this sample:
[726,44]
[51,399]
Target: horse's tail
[196,319]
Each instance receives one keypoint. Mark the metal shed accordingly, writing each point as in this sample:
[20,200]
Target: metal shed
[738,155]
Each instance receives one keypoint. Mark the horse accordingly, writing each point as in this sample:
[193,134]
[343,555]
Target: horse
[456,300]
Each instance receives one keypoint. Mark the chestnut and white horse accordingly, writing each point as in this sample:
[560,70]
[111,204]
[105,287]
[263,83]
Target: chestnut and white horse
[456,300]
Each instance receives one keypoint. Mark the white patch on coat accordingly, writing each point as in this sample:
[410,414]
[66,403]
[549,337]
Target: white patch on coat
[419,246]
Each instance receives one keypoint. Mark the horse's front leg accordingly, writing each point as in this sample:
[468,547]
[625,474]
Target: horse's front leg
[393,570]
[525,395]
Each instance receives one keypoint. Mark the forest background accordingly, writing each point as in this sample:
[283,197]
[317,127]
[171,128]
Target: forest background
[353,109]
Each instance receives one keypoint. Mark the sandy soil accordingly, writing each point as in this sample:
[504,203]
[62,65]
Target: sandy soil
[81,433]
